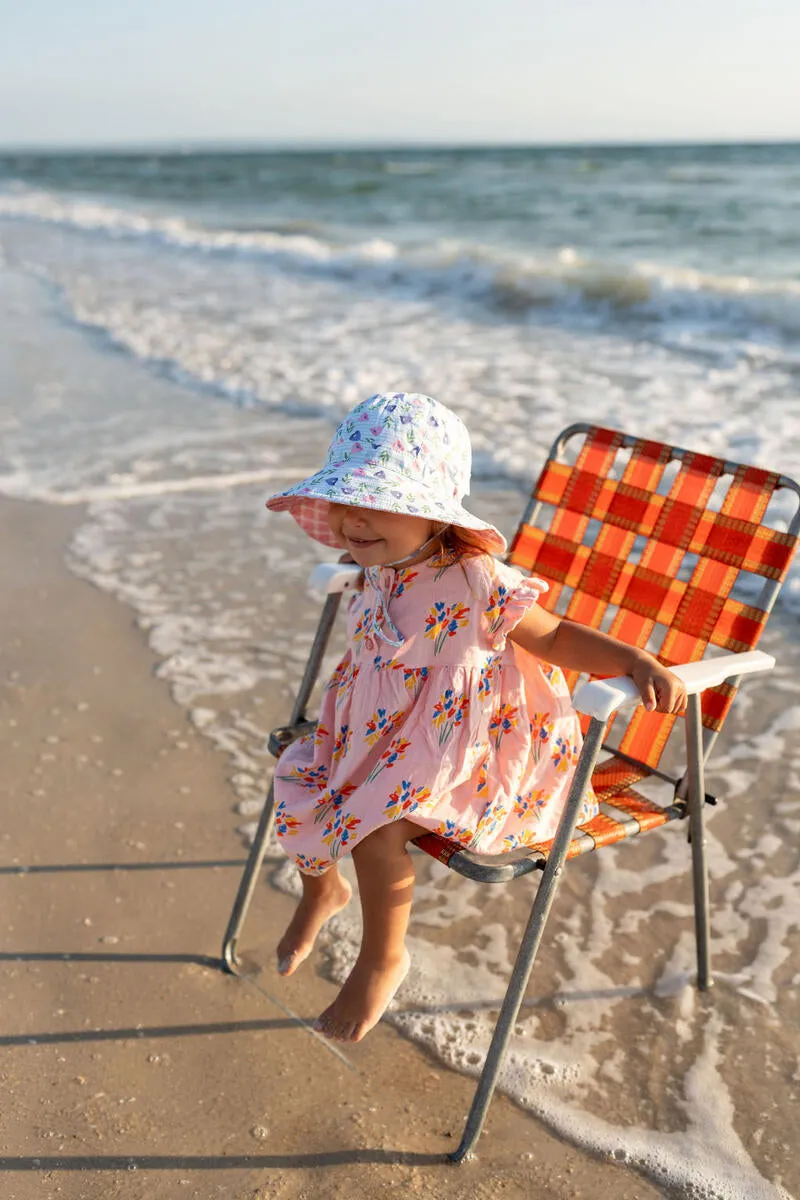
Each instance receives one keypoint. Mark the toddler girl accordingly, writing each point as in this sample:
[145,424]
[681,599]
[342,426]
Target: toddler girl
[447,713]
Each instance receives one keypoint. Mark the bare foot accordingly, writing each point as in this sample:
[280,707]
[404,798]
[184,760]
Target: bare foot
[363,1000]
[317,905]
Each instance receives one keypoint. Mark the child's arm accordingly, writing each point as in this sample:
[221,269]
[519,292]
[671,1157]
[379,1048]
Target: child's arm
[579,648]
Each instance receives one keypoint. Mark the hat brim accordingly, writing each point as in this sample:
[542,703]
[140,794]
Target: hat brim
[380,490]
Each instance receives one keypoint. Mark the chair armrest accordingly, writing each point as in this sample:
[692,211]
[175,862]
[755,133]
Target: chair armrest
[334,577]
[602,697]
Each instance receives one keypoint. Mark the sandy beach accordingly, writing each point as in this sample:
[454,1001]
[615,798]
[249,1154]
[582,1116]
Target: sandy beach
[131,1065]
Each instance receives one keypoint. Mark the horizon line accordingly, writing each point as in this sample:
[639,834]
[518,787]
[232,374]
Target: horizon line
[300,145]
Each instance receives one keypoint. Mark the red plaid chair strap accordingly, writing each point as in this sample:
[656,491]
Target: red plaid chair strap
[622,815]
[648,557]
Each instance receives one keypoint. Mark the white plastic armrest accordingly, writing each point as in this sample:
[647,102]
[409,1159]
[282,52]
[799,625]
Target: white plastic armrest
[334,577]
[602,697]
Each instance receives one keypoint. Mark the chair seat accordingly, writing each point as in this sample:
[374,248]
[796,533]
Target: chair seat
[624,813]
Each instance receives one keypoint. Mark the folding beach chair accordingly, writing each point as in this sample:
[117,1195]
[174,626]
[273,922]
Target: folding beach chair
[654,544]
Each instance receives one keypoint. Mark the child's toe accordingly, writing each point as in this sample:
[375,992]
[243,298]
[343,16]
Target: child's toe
[327,1025]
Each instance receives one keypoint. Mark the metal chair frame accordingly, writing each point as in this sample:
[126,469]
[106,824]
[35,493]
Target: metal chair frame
[600,701]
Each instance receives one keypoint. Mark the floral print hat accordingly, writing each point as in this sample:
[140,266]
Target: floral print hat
[400,452]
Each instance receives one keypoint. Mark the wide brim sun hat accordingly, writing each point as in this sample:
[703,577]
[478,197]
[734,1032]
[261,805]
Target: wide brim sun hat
[399,452]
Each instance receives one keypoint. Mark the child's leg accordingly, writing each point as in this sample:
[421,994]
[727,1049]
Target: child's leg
[386,886]
[323,895]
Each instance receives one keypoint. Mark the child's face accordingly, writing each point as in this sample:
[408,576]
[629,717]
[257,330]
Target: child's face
[373,537]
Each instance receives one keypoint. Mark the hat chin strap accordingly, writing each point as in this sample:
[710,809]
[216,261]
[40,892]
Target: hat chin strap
[398,562]
[380,623]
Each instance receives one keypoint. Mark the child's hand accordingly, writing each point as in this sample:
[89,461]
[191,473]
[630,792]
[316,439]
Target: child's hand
[661,691]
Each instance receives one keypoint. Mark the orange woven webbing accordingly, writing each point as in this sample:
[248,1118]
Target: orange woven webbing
[643,539]
[625,814]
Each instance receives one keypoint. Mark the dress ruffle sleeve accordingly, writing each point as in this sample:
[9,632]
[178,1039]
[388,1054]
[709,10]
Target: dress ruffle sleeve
[510,595]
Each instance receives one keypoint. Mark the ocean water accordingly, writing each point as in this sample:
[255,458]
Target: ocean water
[183,332]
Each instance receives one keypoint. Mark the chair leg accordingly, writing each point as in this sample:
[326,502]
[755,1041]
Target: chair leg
[248,881]
[694,760]
[247,884]
[530,942]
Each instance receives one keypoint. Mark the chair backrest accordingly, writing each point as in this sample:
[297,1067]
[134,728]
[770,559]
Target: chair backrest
[662,548]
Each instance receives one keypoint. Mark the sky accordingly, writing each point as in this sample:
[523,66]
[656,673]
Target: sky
[115,72]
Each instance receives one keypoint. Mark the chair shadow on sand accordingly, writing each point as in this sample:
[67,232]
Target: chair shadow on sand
[188,1162]
[167,1162]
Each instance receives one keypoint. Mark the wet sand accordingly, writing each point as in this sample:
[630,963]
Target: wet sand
[131,1065]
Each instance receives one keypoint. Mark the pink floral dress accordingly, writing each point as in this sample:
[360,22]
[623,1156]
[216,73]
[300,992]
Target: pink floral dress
[453,727]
